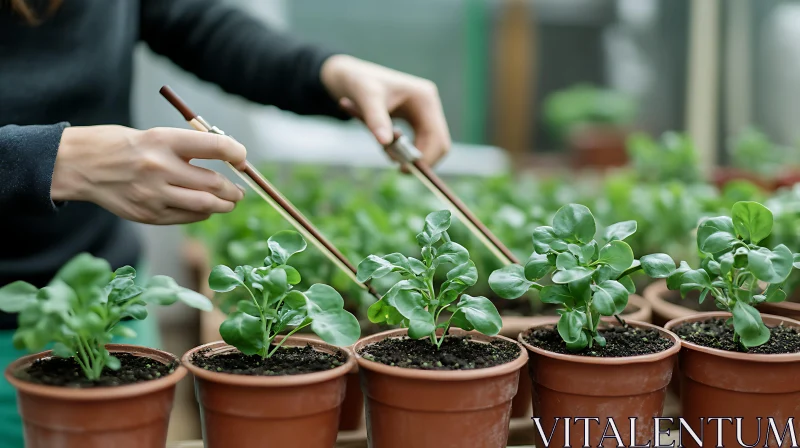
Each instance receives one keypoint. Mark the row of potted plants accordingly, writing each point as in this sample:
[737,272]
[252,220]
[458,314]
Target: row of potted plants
[446,378]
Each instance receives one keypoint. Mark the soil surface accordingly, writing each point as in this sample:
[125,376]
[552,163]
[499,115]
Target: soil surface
[620,341]
[286,361]
[715,333]
[65,372]
[456,353]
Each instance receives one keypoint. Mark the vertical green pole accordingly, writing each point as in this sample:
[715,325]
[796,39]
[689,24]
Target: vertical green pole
[475,68]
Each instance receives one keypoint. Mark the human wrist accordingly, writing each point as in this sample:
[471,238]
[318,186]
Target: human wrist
[333,74]
[68,184]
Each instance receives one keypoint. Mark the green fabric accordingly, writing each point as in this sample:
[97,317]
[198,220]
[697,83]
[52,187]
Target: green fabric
[11,432]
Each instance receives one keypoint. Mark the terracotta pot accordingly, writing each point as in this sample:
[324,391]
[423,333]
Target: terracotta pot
[270,411]
[789,308]
[352,416]
[131,416]
[719,383]
[431,409]
[597,146]
[569,386]
[638,310]
[724,175]
[788,179]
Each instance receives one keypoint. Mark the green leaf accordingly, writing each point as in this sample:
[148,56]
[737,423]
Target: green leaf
[537,266]
[223,279]
[557,294]
[716,235]
[123,332]
[412,306]
[322,298]
[292,276]
[466,274]
[481,314]
[284,244]
[417,267]
[771,266]
[138,312]
[572,275]
[84,271]
[616,254]
[451,253]
[570,326]
[574,222]
[337,327]
[566,261]
[675,278]
[437,222]
[752,221]
[545,240]
[418,329]
[377,312]
[126,272]
[62,351]
[694,280]
[610,298]
[373,267]
[620,231]
[194,299]
[248,307]
[509,282]
[628,284]
[748,325]
[244,332]
[14,297]
[657,265]
[775,293]
[112,362]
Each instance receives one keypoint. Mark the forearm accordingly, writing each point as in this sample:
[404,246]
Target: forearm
[27,158]
[223,45]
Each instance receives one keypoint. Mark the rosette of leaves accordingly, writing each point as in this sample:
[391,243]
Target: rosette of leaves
[78,311]
[273,305]
[415,303]
[736,271]
[589,278]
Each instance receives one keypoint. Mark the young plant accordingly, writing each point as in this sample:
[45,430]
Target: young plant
[736,272]
[274,305]
[415,303]
[78,311]
[589,278]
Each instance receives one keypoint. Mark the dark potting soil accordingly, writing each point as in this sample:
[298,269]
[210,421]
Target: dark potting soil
[715,333]
[285,361]
[65,372]
[456,353]
[620,341]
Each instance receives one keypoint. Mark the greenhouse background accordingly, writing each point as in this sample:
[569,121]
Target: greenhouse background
[516,78]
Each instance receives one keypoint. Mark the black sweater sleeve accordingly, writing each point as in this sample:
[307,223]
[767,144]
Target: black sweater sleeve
[27,158]
[223,45]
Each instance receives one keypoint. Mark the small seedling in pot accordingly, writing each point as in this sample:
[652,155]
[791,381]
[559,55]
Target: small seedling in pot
[274,305]
[736,272]
[415,303]
[590,278]
[80,309]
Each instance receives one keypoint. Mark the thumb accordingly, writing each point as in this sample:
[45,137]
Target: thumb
[372,110]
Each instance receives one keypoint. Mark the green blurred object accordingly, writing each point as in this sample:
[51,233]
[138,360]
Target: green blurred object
[753,151]
[584,104]
[671,158]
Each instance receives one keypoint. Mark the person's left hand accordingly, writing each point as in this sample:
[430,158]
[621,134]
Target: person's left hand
[375,93]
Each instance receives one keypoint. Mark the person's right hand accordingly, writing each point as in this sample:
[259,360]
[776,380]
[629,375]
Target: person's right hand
[145,176]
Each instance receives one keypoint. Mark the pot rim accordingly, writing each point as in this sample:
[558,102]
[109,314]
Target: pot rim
[756,357]
[271,381]
[651,357]
[439,375]
[98,393]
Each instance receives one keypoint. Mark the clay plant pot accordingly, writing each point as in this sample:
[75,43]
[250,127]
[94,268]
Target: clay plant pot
[724,175]
[569,386]
[789,308]
[434,408]
[721,384]
[270,411]
[598,146]
[638,310]
[352,417]
[130,416]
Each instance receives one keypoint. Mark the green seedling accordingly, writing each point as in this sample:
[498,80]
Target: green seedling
[78,312]
[274,305]
[590,278]
[735,271]
[415,303]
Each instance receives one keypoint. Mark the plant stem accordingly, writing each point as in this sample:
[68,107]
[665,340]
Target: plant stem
[287,337]
[630,271]
[622,322]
